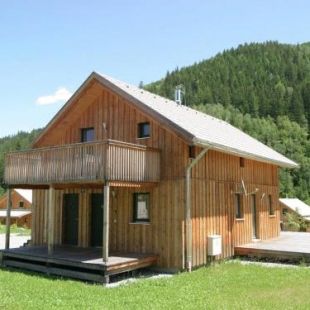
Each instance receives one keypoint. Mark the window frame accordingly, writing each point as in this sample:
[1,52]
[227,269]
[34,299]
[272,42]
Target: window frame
[144,130]
[84,134]
[238,206]
[270,206]
[142,198]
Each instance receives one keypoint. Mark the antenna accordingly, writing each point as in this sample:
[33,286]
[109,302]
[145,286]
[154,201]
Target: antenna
[242,190]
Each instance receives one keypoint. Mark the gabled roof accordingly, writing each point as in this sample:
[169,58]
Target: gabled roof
[25,193]
[297,205]
[198,128]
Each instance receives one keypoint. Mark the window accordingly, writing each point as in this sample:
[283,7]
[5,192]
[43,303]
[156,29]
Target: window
[270,207]
[284,211]
[20,204]
[87,134]
[191,151]
[141,207]
[144,130]
[238,206]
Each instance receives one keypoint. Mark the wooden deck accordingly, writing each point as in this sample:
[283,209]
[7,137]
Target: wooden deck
[74,262]
[290,245]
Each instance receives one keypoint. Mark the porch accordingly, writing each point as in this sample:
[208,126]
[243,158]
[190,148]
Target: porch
[74,262]
[289,246]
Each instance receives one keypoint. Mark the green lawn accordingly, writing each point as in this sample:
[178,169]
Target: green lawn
[224,286]
[16,230]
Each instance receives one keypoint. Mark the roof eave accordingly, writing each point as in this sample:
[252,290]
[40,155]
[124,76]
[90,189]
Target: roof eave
[219,147]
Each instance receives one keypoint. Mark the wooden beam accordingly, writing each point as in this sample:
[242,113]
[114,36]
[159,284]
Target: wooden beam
[8,219]
[50,220]
[105,239]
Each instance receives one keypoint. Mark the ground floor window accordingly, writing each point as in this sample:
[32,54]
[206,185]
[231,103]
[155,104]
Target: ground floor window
[238,206]
[270,206]
[141,207]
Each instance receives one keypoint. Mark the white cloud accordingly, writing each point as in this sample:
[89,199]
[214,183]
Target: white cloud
[61,95]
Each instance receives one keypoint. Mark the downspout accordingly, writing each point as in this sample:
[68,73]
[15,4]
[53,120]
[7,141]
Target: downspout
[188,208]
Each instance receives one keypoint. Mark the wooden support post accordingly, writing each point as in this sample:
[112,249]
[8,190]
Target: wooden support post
[8,219]
[105,239]
[51,216]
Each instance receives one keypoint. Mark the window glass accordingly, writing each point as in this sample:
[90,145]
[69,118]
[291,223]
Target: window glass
[141,207]
[238,206]
[144,130]
[270,207]
[87,135]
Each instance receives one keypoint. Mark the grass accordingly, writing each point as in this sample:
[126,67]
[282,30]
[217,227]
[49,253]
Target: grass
[21,231]
[224,286]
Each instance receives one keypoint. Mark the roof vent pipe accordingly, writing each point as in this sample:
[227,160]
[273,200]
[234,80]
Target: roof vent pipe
[178,94]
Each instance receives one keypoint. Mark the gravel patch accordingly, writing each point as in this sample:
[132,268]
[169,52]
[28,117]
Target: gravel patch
[16,240]
[135,276]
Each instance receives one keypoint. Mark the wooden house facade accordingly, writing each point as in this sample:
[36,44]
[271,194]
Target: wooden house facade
[21,200]
[128,171]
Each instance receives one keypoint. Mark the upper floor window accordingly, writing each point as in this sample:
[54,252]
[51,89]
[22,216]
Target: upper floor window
[191,151]
[87,134]
[20,204]
[144,130]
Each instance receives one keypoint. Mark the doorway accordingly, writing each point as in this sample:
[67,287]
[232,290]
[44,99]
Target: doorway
[96,220]
[70,219]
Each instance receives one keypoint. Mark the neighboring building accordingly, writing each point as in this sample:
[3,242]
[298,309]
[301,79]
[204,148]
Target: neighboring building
[168,177]
[21,208]
[291,205]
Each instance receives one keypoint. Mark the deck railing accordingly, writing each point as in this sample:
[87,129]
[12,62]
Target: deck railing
[104,160]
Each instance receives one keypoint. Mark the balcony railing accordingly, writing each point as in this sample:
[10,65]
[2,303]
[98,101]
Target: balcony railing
[83,162]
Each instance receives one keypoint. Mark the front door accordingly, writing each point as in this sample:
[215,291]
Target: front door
[96,220]
[70,219]
[254,217]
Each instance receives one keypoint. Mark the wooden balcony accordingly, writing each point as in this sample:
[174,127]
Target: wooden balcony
[83,163]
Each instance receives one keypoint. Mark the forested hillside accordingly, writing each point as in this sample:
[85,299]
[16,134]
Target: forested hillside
[21,141]
[263,89]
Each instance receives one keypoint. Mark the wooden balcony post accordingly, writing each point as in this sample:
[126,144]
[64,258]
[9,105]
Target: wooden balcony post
[8,219]
[50,221]
[105,239]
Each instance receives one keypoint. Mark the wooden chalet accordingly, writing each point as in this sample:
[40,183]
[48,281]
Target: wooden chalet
[293,205]
[123,170]
[20,215]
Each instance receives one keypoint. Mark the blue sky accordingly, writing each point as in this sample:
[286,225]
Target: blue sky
[48,48]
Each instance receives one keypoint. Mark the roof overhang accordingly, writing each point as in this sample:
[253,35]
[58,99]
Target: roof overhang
[15,213]
[221,148]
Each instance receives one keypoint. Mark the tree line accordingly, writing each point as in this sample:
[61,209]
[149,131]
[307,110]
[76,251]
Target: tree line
[262,89]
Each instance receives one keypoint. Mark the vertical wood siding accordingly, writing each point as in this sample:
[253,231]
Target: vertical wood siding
[215,177]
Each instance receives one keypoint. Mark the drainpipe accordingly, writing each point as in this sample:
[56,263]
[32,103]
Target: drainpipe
[188,209]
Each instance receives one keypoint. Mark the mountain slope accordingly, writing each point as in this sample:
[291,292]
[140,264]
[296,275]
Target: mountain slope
[259,78]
